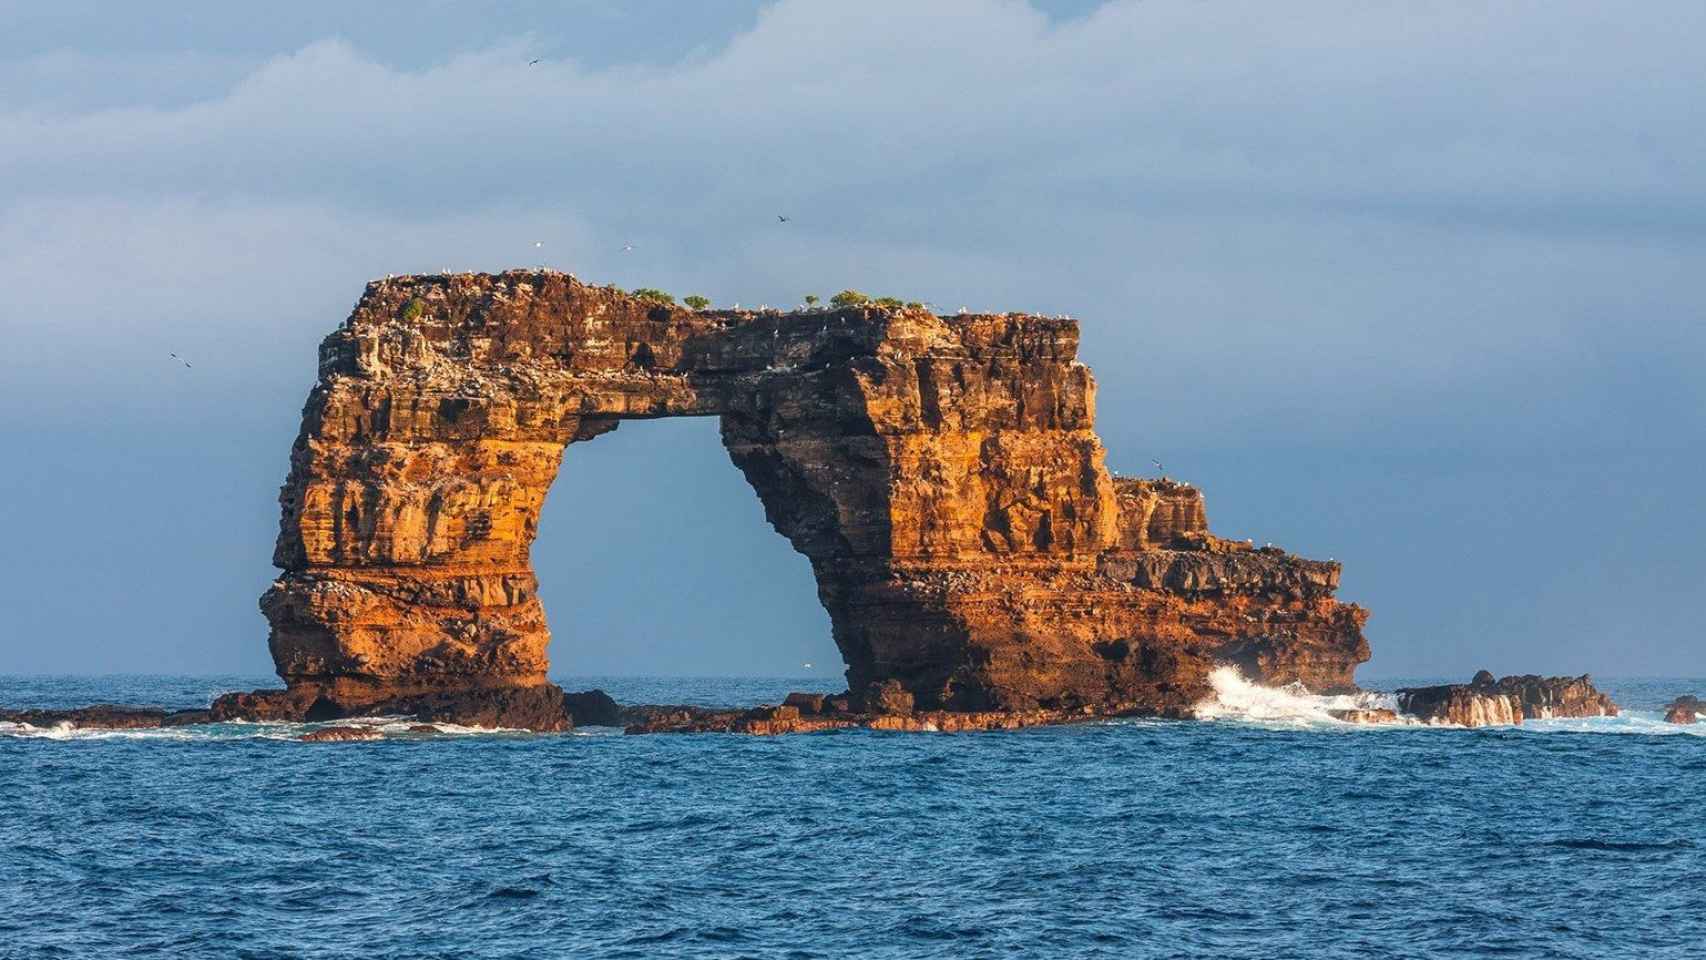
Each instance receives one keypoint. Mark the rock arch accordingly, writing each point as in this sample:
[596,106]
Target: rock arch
[941,474]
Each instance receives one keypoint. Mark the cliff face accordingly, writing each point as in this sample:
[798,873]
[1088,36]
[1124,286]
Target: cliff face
[941,474]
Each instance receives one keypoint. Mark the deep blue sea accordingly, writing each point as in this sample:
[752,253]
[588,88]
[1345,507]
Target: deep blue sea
[1269,832]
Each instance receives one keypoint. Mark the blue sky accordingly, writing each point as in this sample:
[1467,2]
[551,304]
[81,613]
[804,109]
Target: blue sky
[1417,287]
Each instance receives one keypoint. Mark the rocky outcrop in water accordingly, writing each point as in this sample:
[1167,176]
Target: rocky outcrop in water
[1684,710]
[942,476]
[540,707]
[1510,700]
[835,714]
[1365,715]
[341,734]
[106,716]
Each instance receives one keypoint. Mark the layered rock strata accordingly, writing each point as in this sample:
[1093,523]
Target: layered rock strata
[1485,701]
[942,476]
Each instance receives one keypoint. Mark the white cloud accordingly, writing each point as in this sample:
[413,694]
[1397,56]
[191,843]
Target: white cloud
[1354,205]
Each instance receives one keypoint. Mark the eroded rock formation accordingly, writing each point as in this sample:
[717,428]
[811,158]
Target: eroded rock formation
[941,474]
[1487,702]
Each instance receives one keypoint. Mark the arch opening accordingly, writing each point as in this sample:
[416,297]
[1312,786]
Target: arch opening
[654,558]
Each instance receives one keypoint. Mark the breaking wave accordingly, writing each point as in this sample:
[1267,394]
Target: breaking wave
[1292,706]
[1237,698]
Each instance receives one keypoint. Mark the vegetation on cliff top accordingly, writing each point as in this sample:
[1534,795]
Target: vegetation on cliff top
[653,295]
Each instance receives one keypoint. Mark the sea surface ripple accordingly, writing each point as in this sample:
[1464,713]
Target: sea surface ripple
[1241,837]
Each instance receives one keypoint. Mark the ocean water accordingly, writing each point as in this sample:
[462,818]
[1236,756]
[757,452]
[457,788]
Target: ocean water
[1268,831]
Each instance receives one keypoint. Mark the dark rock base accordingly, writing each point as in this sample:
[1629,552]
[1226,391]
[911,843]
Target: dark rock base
[1487,702]
[541,707]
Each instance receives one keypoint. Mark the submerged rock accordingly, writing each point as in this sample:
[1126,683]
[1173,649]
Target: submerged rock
[769,721]
[1685,710]
[338,734]
[1365,715]
[106,716]
[1487,702]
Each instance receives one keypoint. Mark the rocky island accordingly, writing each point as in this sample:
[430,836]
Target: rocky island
[1484,701]
[980,565]
[942,475]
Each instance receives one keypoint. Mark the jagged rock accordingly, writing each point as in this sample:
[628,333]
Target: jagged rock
[888,697]
[807,703]
[287,706]
[339,734]
[1484,702]
[1543,698]
[1461,705]
[1685,710]
[941,474]
[593,708]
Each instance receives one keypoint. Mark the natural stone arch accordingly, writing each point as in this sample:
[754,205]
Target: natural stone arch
[941,474]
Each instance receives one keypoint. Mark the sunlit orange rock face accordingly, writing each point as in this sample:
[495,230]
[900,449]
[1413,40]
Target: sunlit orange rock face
[941,474]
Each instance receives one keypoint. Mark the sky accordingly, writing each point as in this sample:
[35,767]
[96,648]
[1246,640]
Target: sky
[1420,287]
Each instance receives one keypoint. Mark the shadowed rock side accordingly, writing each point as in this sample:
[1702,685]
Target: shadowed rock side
[1487,702]
[941,474]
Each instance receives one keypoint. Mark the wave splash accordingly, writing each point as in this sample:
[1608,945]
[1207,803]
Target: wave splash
[1237,698]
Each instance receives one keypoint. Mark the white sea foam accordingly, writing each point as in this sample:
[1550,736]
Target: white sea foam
[1236,698]
[1240,700]
[1647,723]
[400,727]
